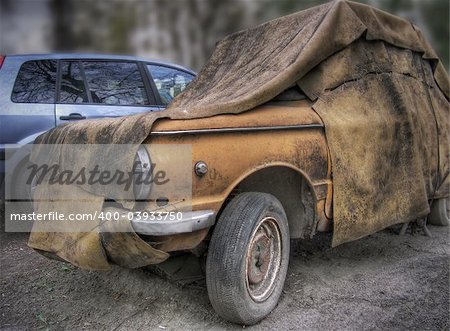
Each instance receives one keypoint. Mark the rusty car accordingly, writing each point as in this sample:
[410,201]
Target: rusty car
[330,119]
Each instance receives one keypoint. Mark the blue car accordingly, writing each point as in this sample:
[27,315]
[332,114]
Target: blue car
[39,92]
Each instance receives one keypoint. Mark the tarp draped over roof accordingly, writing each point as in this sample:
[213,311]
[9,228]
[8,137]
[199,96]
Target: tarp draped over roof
[251,67]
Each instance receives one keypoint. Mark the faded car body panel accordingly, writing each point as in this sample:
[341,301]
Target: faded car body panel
[290,136]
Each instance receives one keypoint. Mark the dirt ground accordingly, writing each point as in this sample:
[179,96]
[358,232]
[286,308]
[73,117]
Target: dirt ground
[382,281]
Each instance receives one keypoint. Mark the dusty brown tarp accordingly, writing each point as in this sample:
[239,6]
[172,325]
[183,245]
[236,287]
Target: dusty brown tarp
[364,69]
[375,101]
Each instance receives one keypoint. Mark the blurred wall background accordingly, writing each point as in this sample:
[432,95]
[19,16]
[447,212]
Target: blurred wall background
[182,31]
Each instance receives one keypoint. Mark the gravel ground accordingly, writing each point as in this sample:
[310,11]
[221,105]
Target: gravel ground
[382,281]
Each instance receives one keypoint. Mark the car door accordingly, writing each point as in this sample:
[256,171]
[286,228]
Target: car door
[27,99]
[102,88]
[27,108]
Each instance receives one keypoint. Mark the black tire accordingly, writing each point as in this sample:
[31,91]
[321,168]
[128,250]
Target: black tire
[439,212]
[251,223]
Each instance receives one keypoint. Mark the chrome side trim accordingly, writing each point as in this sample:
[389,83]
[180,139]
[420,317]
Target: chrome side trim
[239,129]
[190,222]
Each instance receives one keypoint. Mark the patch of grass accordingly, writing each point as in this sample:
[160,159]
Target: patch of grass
[66,268]
[45,285]
[41,318]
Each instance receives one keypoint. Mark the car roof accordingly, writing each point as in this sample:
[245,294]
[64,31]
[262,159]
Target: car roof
[60,56]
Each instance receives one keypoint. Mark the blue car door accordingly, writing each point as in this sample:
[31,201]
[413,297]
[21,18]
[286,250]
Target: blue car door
[27,99]
[102,88]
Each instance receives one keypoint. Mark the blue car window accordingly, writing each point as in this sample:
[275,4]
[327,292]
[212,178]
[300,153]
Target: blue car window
[72,85]
[115,83]
[169,82]
[36,82]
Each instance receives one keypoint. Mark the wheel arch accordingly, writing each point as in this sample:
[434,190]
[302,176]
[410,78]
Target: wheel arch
[292,187]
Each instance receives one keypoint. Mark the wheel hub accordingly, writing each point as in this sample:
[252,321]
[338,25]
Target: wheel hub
[258,262]
[263,259]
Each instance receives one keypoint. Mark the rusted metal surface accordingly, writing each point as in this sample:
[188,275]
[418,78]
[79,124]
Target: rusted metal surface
[324,224]
[232,157]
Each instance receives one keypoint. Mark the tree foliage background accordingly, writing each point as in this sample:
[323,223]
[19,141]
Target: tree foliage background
[182,31]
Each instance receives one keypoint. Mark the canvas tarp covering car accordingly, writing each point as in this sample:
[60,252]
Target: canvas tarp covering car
[374,80]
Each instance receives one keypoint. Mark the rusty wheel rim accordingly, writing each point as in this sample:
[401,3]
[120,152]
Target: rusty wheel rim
[263,259]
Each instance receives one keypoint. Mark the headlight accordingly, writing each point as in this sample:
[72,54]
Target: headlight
[142,174]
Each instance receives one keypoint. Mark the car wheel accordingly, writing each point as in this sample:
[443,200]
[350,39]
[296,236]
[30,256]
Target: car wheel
[439,212]
[248,258]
